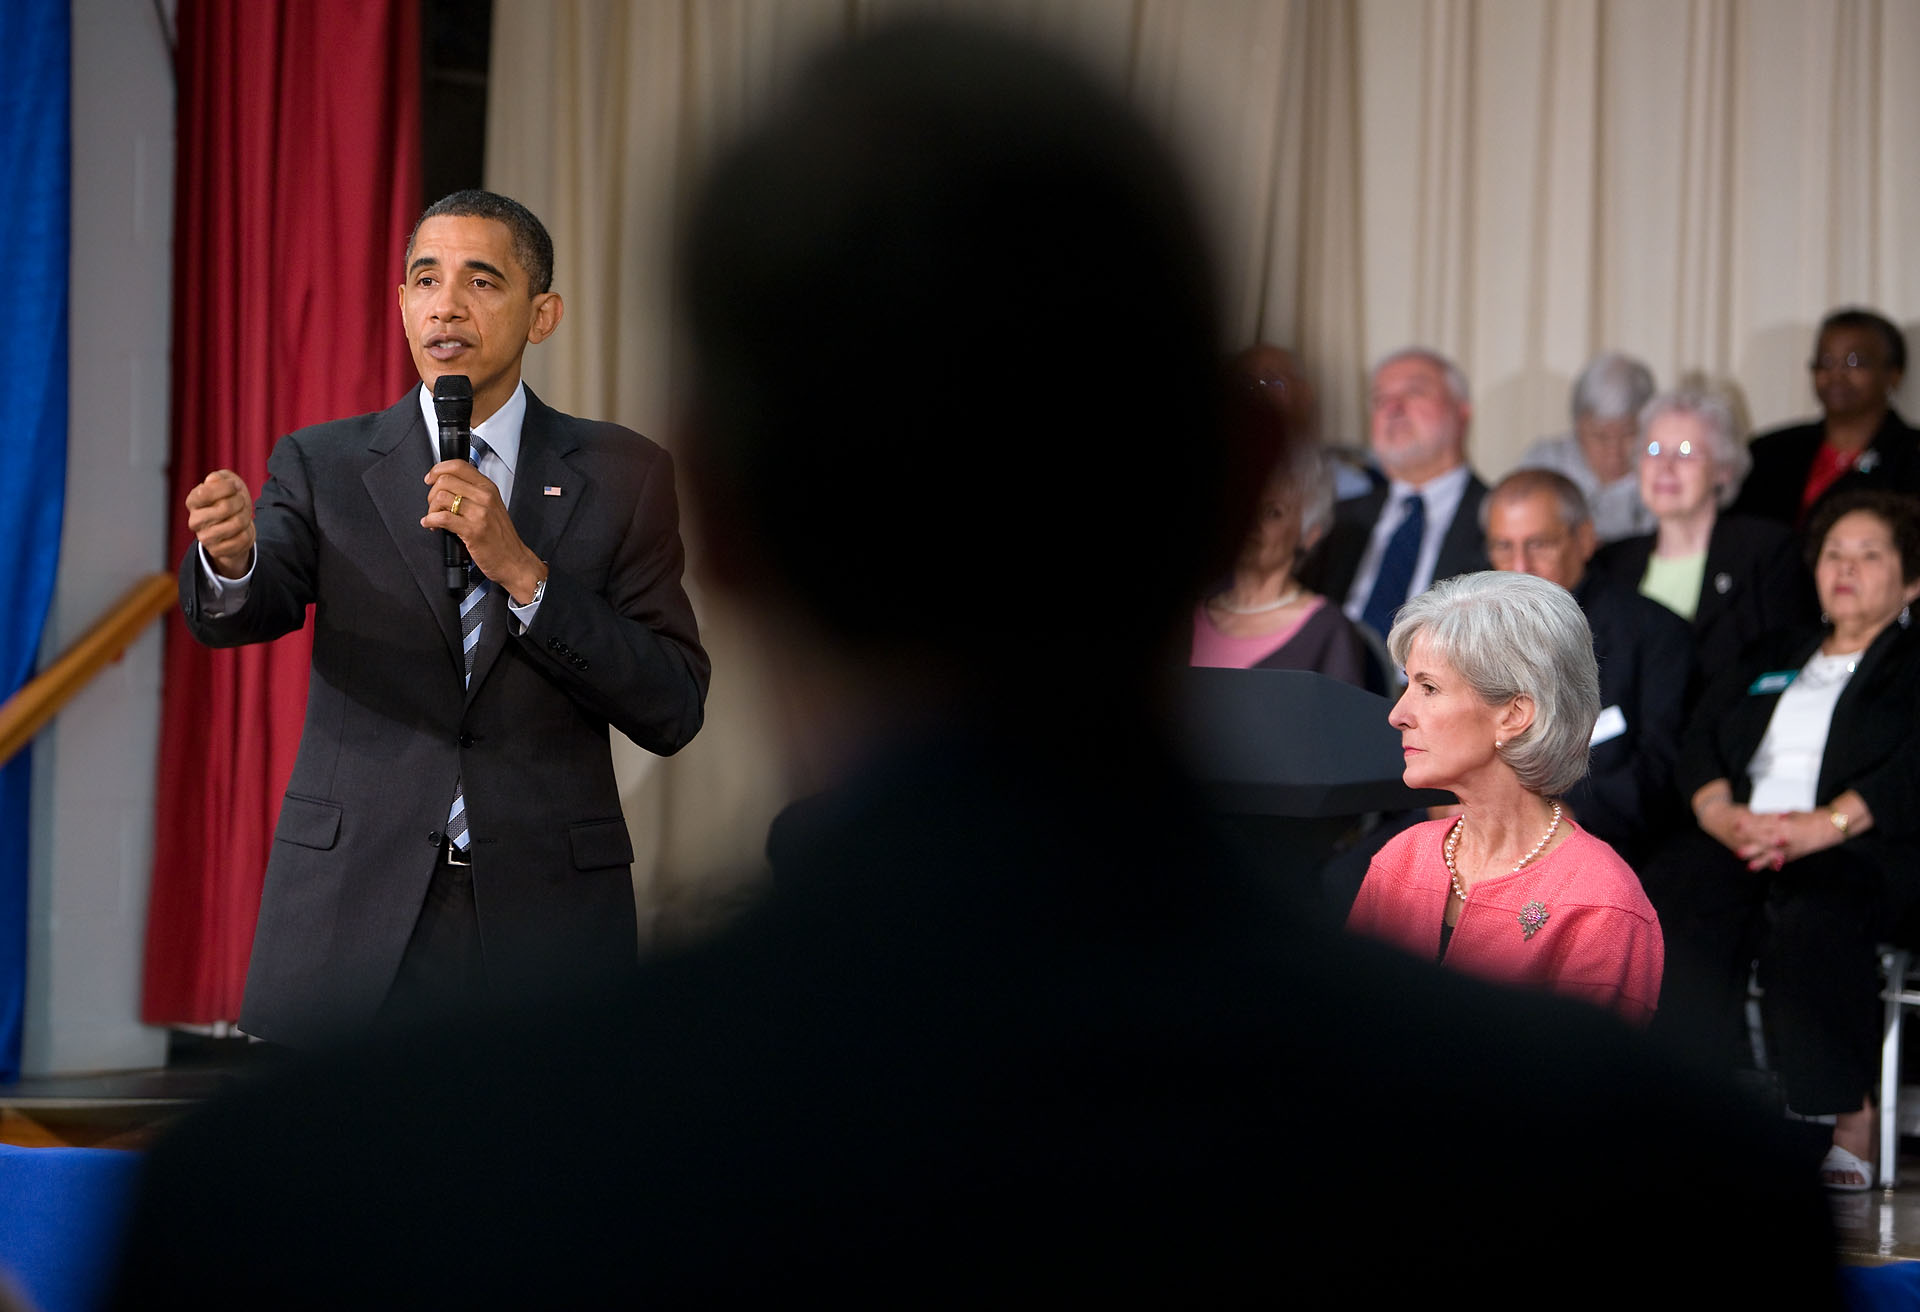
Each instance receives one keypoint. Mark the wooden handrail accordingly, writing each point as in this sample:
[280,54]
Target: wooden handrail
[40,699]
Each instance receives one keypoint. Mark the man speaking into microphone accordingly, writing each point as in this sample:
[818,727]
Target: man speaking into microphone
[452,824]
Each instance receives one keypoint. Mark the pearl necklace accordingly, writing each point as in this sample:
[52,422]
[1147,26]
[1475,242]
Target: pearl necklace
[1453,845]
[1286,599]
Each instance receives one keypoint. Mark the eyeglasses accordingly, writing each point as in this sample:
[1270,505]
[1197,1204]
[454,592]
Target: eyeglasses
[1852,360]
[1676,451]
[1503,548]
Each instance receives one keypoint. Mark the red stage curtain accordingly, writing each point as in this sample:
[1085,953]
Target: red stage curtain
[297,182]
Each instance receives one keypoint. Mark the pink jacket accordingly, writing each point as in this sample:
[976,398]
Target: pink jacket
[1596,935]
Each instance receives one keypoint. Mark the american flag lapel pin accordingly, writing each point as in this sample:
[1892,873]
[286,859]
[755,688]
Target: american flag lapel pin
[550,490]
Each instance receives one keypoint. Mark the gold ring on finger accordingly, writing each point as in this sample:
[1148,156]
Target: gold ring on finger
[455,507]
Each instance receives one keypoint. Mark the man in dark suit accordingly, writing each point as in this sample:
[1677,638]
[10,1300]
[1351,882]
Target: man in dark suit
[1537,523]
[452,820]
[1010,1020]
[1424,525]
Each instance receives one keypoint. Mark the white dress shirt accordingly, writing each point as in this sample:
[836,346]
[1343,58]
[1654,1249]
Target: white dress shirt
[1785,770]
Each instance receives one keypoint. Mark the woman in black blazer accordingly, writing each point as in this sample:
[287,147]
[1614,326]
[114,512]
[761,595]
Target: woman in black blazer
[1859,442]
[1801,769]
[1751,578]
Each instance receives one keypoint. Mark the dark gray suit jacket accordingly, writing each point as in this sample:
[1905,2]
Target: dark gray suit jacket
[1645,654]
[390,726]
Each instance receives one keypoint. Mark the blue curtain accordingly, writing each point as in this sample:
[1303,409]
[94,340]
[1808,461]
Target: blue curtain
[35,92]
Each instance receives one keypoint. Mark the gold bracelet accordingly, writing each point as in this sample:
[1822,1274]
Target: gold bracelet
[1840,821]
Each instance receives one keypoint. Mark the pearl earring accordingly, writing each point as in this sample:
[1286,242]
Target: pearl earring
[1906,616]
[1497,744]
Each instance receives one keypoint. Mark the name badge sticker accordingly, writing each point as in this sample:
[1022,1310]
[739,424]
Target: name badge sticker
[1610,725]
[1772,682]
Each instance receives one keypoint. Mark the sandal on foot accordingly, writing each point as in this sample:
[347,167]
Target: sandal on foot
[1844,1172]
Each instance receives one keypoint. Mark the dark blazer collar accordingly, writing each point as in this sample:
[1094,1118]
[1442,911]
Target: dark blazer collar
[396,483]
[1724,556]
[1892,441]
[1801,645]
[1859,687]
[398,422]
[1464,548]
[549,483]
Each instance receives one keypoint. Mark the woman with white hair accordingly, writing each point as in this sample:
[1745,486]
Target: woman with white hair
[1501,697]
[1264,618]
[1732,577]
[1599,454]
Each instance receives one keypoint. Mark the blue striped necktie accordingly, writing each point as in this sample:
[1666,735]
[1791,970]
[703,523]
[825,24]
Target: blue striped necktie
[472,603]
[1395,575]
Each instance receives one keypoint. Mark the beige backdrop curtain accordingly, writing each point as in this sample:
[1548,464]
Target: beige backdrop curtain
[1518,183]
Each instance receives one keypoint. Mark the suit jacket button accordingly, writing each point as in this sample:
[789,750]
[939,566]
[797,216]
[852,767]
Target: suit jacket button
[467,740]
[435,837]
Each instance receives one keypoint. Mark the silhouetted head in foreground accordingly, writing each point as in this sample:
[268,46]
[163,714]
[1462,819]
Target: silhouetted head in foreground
[956,391]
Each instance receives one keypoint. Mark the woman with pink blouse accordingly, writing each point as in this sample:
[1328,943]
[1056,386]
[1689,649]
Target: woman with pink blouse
[1262,618]
[1500,703]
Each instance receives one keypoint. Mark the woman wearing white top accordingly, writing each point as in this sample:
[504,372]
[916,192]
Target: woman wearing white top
[1801,769]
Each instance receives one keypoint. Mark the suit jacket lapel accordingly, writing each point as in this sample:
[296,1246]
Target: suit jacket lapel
[1463,549]
[1839,759]
[545,441]
[396,483]
[1343,547]
[1714,602]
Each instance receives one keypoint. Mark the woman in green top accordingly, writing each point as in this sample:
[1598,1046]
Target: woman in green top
[1733,577]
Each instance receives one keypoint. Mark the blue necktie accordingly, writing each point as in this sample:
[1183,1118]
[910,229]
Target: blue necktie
[1396,567]
[472,602]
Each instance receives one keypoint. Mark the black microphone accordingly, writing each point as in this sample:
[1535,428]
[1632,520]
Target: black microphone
[453,407]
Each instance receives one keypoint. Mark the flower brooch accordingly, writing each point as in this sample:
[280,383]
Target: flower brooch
[1532,916]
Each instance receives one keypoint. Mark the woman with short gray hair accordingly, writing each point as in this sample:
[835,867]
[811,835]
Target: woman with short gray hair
[1732,577]
[1598,455]
[1502,693]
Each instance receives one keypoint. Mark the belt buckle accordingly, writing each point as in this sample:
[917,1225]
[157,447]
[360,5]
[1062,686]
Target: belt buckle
[456,856]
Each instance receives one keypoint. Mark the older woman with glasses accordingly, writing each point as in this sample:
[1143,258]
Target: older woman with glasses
[1732,577]
[1860,441]
[1502,693]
